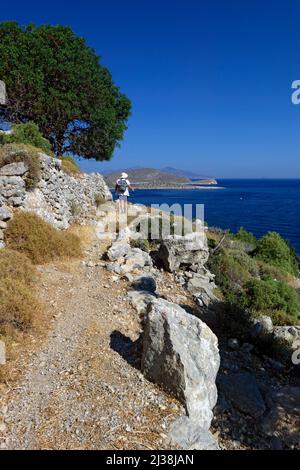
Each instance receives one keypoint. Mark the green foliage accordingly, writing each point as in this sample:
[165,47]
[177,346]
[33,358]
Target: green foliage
[251,286]
[54,79]
[29,234]
[27,133]
[232,269]
[246,237]
[69,166]
[12,153]
[268,271]
[269,296]
[274,250]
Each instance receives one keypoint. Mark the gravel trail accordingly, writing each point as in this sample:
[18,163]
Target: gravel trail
[82,388]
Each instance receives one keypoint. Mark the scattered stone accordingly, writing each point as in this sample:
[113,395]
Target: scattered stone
[286,334]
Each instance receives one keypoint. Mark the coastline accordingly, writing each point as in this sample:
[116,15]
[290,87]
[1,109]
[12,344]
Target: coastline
[177,187]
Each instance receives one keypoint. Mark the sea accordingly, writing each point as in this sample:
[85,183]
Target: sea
[259,206]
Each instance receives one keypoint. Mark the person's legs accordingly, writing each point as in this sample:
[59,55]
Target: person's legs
[122,204]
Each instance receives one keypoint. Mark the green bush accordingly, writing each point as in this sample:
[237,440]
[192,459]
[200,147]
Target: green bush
[231,269]
[246,262]
[13,153]
[246,237]
[267,271]
[27,133]
[274,250]
[269,296]
[29,234]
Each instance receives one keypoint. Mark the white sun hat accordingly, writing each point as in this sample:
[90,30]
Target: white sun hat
[124,175]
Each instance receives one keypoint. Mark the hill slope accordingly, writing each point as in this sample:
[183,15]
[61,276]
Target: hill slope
[148,177]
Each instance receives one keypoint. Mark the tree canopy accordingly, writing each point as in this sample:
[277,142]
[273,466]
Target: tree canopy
[54,79]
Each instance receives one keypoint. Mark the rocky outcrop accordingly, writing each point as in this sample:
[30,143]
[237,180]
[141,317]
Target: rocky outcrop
[189,250]
[58,197]
[125,259]
[180,353]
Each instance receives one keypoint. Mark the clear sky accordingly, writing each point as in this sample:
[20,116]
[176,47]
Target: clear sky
[210,81]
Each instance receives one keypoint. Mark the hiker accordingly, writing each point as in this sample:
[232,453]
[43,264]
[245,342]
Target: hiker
[122,190]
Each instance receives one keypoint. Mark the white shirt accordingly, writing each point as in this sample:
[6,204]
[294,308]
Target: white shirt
[128,184]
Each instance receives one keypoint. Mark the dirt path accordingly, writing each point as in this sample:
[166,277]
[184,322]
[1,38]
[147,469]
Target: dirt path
[82,388]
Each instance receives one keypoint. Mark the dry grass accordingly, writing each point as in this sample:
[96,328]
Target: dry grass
[18,305]
[29,234]
[69,166]
[16,266]
[13,153]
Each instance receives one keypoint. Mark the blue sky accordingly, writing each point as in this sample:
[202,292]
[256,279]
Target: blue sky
[210,81]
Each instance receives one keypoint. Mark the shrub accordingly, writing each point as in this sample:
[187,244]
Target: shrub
[16,266]
[269,296]
[245,261]
[274,250]
[246,237]
[18,305]
[13,153]
[27,133]
[69,166]
[230,271]
[42,243]
[267,271]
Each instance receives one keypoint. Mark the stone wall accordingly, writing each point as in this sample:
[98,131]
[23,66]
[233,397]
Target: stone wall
[58,198]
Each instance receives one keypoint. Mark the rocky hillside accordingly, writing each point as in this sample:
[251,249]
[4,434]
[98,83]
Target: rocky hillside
[148,178]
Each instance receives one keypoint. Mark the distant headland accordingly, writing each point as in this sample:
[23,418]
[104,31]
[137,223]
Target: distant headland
[166,178]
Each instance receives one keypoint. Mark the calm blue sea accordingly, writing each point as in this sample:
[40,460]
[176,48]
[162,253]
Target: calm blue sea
[257,205]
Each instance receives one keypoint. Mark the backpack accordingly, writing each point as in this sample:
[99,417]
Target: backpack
[122,186]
